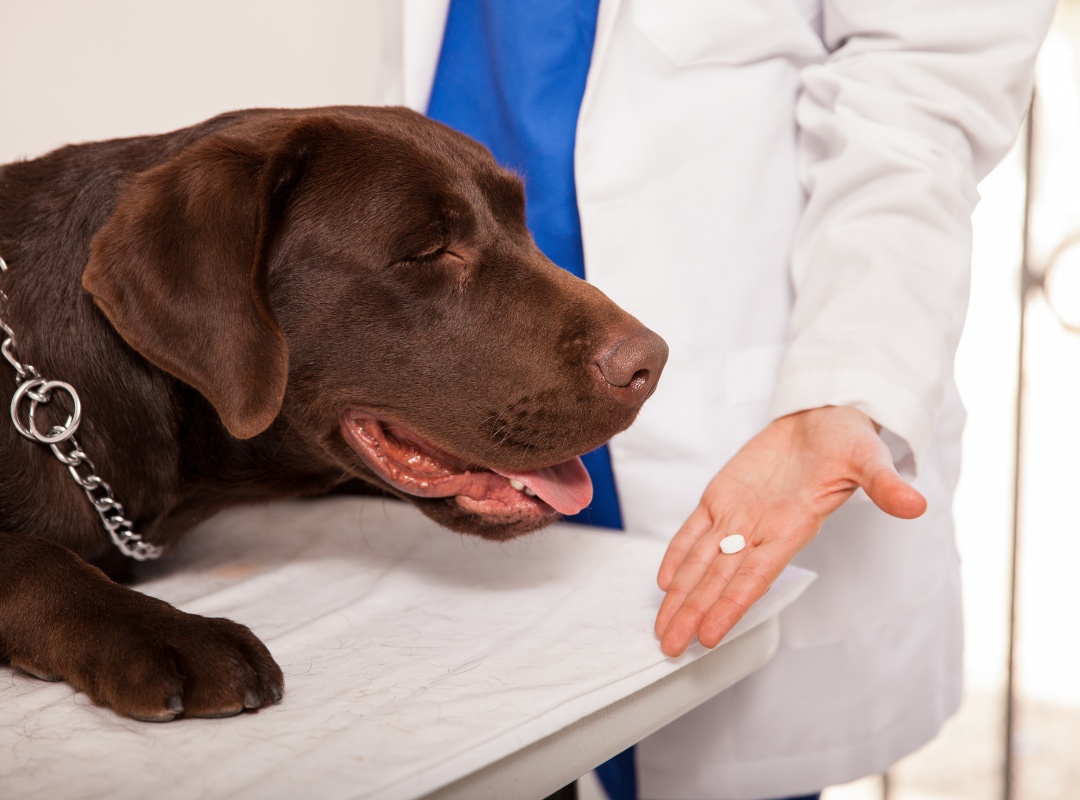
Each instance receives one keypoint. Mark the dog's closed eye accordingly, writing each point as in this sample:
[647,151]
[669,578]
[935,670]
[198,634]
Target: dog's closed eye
[432,255]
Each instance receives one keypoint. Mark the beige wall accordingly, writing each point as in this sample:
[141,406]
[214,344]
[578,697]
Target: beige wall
[80,70]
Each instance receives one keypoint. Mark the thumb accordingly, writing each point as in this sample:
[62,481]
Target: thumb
[883,485]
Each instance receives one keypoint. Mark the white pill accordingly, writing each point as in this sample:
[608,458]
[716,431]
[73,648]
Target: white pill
[732,544]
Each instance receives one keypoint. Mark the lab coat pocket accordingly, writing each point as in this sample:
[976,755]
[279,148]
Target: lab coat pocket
[733,32]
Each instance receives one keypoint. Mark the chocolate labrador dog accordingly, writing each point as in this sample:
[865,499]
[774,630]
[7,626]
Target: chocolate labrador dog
[268,305]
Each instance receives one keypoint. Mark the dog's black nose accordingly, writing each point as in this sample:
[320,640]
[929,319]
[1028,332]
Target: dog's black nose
[631,363]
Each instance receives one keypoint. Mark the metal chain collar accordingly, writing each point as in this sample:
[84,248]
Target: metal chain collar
[34,390]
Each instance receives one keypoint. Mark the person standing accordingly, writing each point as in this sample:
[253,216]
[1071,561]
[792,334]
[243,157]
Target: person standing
[783,189]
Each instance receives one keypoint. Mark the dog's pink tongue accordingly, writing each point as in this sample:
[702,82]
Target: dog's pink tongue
[566,487]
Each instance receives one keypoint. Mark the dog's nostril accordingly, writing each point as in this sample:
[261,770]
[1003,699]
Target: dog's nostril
[641,378]
[633,364]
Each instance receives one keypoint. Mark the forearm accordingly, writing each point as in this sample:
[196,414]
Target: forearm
[914,105]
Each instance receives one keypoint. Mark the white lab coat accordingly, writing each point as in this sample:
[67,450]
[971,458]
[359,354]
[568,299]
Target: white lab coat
[783,190]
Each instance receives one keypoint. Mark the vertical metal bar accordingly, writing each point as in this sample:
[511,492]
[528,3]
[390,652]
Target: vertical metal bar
[1029,282]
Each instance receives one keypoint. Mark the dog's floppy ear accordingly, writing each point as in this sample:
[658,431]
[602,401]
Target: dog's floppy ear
[180,269]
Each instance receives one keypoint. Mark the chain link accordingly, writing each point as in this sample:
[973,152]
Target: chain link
[34,391]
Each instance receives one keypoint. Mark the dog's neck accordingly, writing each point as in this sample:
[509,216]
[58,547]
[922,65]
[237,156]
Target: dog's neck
[35,391]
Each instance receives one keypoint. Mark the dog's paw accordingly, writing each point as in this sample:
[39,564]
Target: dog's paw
[200,667]
[203,668]
[162,664]
[63,619]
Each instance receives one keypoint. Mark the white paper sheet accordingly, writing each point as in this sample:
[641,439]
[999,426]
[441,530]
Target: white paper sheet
[412,656]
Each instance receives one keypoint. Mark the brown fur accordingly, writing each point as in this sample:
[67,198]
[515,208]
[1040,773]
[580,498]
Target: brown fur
[219,296]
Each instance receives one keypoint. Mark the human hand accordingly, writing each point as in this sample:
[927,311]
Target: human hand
[776,491]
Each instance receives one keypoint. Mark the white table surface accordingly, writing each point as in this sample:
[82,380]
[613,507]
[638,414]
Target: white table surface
[416,661]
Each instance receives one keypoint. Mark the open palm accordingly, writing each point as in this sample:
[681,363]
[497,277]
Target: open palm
[777,491]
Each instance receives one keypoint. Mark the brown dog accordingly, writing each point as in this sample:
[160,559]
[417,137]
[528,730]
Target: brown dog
[266,305]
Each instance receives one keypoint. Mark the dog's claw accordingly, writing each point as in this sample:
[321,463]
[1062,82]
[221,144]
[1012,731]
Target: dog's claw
[166,715]
[221,713]
[174,707]
[41,675]
[251,700]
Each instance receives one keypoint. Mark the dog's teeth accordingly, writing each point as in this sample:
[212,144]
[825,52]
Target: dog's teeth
[517,485]
[530,492]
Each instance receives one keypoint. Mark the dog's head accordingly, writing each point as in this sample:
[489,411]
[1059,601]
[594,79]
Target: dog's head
[365,278]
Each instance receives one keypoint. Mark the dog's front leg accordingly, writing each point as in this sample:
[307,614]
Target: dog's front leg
[62,619]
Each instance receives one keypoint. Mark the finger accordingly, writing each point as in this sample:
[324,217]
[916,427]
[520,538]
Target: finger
[693,569]
[696,526]
[878,477]
[749,576]
[755,575]
[682,623]
[895,496]
[699,565]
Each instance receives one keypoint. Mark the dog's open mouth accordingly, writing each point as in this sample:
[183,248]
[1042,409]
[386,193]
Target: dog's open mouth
[417,467]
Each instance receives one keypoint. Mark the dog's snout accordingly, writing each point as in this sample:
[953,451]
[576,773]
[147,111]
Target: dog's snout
[631,365]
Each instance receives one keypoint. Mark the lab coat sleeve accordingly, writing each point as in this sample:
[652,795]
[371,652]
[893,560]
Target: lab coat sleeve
[916,102]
